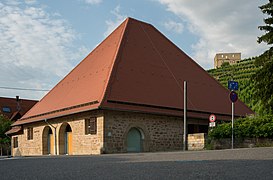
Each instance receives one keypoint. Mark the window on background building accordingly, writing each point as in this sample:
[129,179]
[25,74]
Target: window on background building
[91,125]
[29,133]
[15,142]
[6,109]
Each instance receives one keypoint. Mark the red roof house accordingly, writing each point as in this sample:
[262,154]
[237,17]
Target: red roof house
[135,72]
[15,108]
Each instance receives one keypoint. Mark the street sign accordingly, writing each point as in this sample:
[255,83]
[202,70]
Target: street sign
[212,124]
[233,85]
[233,96]
[212,118]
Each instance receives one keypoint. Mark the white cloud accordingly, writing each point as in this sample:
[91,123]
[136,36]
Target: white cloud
[13,2]
[113,24]
[176,27]
[222,26]
[93,1]
[30,1]
[35,48]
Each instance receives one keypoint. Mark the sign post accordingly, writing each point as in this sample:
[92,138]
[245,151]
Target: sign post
[232,125]
[185,117]
[233,97]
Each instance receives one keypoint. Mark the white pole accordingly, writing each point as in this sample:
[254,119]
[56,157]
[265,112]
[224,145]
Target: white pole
[185,117]
[232,121]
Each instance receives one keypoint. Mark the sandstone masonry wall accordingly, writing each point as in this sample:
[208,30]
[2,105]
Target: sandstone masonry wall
[161,133]
[196,141]
[81,143]
[158,133]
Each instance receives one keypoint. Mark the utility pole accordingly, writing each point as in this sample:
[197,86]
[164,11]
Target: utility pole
[185,117]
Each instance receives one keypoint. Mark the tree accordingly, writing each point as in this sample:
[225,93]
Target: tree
[264,76]
[4,127]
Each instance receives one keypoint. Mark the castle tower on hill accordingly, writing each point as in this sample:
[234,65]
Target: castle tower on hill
[231,58]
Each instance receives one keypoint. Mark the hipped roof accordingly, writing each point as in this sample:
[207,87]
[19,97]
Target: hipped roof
[136,68]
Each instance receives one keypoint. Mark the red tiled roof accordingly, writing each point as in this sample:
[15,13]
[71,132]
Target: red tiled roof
[149,72]
[14,130]
[136,68]
[11,104]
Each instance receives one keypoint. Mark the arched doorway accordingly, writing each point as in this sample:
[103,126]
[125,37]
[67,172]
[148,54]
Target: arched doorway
[48,141]
[134,140]
[65,139]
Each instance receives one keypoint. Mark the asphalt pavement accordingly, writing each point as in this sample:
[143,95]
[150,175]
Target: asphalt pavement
[254,163]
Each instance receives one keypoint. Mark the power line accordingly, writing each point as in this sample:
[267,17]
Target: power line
[22,89]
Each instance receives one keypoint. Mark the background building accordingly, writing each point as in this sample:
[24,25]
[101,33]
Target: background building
[11,109]
[231,58]
[15,108]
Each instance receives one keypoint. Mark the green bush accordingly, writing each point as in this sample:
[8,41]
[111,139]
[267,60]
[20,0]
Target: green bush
[249,127]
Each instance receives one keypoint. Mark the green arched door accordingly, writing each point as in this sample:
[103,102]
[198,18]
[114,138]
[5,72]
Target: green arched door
[134,140]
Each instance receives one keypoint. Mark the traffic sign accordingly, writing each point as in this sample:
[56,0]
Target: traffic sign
[233,85]
[233,96]
[212,124]
[212,118]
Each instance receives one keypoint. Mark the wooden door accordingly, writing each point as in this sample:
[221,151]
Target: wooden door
[69,143]
[51,149]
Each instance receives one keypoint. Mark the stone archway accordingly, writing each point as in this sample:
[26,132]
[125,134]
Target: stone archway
[65,139]
[136,139]
[47,141]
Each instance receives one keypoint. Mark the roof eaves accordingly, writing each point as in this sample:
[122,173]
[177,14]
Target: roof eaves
[169,108]
[14,130]
[43,116]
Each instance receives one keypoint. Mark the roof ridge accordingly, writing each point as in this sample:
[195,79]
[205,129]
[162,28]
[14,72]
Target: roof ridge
[100,45]
[13,98]
[103,95]
[70,72]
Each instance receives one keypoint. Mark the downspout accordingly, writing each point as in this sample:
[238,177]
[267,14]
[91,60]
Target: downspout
[55,135]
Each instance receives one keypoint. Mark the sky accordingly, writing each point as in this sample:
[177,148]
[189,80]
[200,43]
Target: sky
[41,41]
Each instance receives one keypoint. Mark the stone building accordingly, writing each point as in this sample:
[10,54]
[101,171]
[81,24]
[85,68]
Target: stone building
[125,96]
[231,58]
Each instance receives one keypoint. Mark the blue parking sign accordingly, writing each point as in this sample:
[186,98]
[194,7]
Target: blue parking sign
[233,85]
